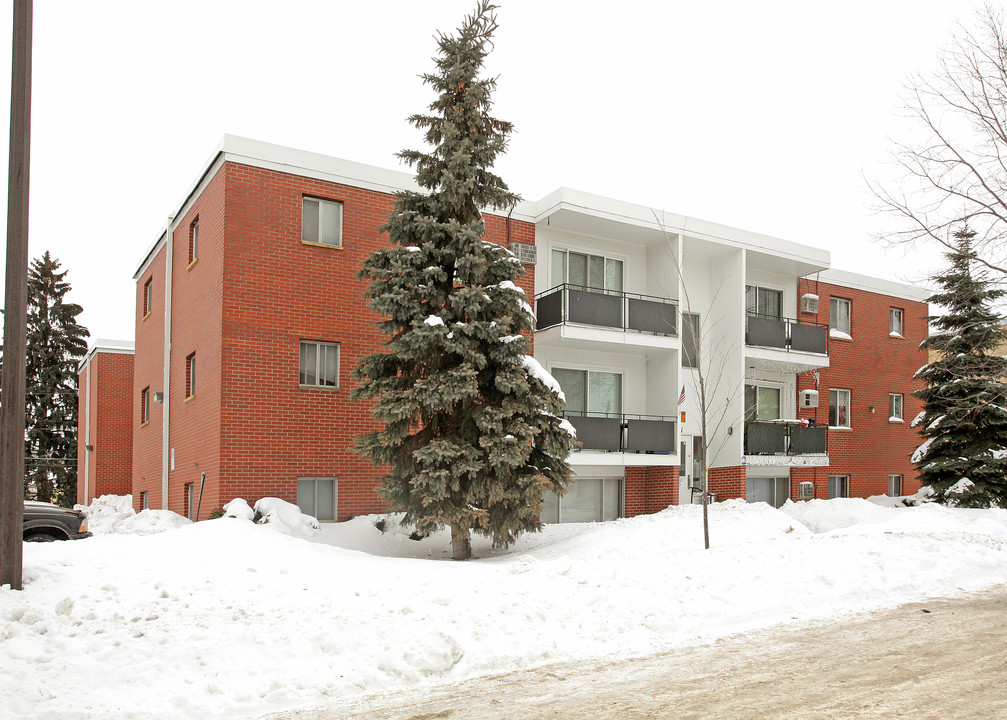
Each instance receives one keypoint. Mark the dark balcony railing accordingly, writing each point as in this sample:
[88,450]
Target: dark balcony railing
[785,438]
[624,433]
[606,308]
[777,332]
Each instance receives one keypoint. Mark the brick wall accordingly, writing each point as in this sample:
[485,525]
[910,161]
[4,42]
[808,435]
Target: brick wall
[727,482]
[650,489]
[871,365]
[109,466]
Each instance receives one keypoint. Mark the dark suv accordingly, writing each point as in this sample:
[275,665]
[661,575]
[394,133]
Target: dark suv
[45,523]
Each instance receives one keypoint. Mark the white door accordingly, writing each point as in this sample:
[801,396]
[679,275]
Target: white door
[685,470]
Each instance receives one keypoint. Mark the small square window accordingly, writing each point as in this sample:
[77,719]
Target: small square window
[321,222]
[895,406]
[895,322]
[319,365]
[894,486]
[839,408]
[839,486]
[839,316]
[190,375]
[316,496]
[145,405]
[194,240]
[148,296]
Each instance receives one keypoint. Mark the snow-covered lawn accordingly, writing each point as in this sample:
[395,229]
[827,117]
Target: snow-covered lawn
[231,619]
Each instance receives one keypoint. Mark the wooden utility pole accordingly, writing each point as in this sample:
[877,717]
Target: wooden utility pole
[15,314]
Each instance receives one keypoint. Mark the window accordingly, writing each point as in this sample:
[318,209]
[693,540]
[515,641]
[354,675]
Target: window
[839,408]
[762,403]
[144,500]
[586,500]
[589,392]
[839,486]
[148,296]
[895,322]
[894,486]
[773,491]
[895,406]
[190,375]
[316,496]
[690,340]
[194,240]
[190,505]
[763,302]
[145,405]
[589,271]
[321,222]
[839,316]
[319,365]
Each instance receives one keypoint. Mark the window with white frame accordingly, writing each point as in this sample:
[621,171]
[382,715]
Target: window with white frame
[584,270]
[895,321]
[894,486]
[194,240]
[839,408]
[190,501]
[316,496]
[145,405]
[190,375]
[148,296]
[839,486]
[586,500]
[319,364]
[144,499]
[690,339]
[839,316]
[321,222]
[763,302]
[590,392]
[762,403]
[894,406]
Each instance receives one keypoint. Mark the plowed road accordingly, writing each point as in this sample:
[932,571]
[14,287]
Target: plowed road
[941,659]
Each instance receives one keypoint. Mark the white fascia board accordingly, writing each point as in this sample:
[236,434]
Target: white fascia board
[665,222]
[874,285]
[114,347]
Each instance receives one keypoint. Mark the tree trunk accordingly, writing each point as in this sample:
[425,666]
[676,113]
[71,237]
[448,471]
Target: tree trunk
[461,543]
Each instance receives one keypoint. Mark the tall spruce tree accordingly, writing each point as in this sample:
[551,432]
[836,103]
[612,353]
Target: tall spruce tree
[55,344]
[964,421]
[471,432]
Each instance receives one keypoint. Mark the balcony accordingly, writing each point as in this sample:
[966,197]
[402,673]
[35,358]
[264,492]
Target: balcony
[786,443]
[643,439]
[579,316]
[785,344]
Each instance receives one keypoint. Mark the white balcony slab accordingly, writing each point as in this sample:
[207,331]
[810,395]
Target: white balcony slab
[591,337]
[783,360]
[786,461]
[597,458]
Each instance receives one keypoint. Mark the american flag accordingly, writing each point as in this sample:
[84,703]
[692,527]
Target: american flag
[681,396]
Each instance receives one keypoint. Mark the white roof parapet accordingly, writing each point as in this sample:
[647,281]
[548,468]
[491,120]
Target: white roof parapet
[116,347]
[880,286]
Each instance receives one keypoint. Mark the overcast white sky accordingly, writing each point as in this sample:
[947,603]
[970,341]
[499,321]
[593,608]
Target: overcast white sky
[761,115]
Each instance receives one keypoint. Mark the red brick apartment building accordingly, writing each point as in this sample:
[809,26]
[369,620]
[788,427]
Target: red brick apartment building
[250,321]
[105,420]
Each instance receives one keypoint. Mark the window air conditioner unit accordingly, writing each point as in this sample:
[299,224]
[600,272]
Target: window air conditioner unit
[809,399]
[524,252]
[805,491]
[809,303]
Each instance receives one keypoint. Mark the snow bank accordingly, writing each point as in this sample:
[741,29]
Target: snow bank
[284,517]
[114,515]
[227,618]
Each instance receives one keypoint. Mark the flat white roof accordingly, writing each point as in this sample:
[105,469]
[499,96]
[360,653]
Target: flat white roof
[119,347]
[875,285]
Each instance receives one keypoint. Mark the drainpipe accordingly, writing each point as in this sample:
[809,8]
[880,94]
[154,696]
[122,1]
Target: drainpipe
[87,431]
[165,408]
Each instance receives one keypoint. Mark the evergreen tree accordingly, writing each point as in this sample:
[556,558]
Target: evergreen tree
[471,433]
[55,344]
[964,420]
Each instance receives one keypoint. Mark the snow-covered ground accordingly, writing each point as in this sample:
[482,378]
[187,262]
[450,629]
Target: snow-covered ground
[227,618]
